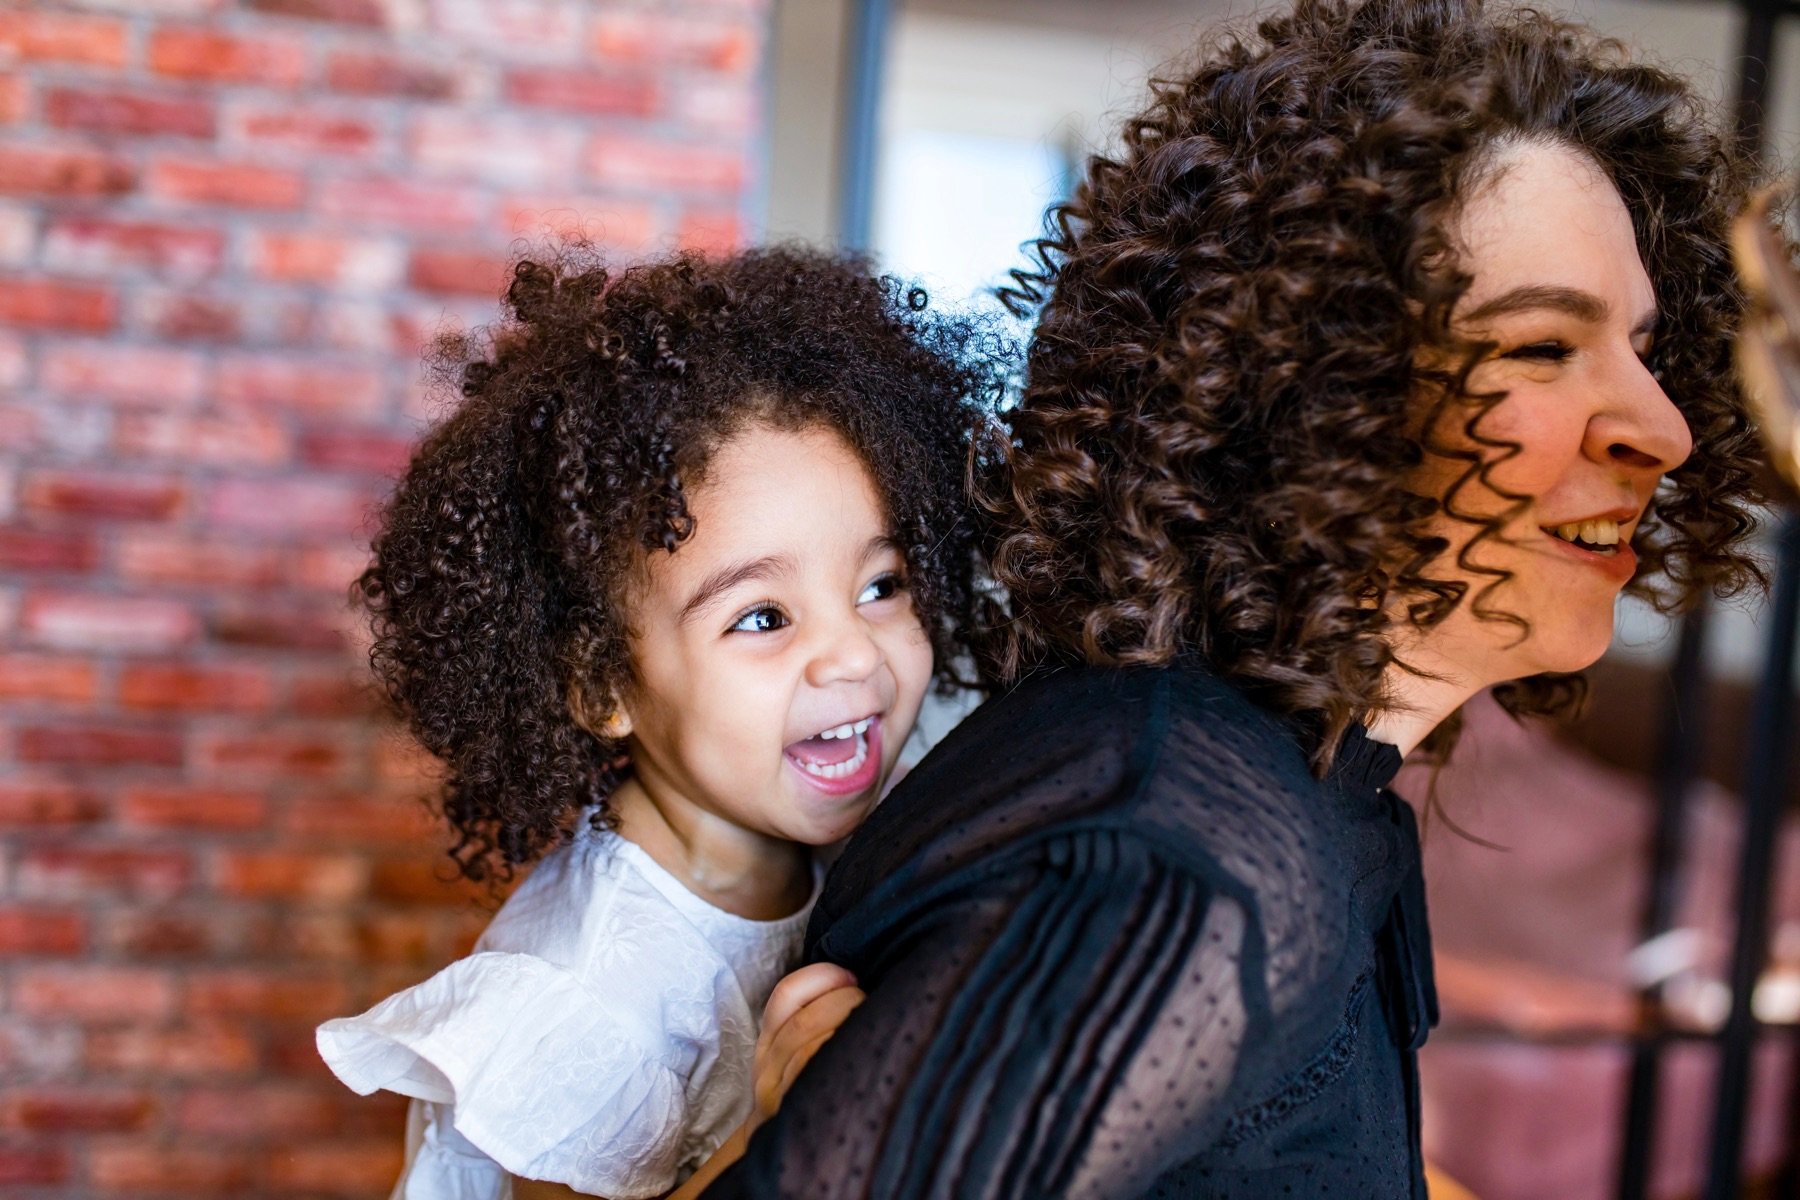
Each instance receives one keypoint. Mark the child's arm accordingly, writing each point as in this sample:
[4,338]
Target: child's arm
[804,1010]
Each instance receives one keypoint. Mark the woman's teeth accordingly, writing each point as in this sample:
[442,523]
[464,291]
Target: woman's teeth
[1601,532]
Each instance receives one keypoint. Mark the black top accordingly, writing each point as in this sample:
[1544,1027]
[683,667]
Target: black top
[1119,942]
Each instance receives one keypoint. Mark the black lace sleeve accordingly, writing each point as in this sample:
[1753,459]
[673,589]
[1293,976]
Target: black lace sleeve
[1067,1023]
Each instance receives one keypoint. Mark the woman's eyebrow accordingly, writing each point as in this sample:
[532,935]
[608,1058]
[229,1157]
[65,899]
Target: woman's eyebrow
[729,576]
[1584,306]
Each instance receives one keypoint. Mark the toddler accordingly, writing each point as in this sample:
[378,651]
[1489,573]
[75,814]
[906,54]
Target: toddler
[664,592]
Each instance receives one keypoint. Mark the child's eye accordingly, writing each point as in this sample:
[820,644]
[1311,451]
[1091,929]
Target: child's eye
[764,618]
[882,587]
[1550,352]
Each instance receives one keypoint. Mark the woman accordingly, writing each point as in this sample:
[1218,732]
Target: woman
[1392,346]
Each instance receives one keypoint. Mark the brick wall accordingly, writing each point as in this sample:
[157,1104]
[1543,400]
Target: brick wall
[225,229]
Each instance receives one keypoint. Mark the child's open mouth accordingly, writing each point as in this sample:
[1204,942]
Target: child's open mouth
[841,760]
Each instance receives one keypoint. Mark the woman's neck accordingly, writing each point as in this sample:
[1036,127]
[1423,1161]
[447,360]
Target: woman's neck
[1421,698]
[744,872]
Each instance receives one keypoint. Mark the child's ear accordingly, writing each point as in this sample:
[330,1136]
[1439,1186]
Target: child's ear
[608,722]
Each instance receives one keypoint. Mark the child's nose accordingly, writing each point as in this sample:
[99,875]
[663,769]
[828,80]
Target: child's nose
[846,653]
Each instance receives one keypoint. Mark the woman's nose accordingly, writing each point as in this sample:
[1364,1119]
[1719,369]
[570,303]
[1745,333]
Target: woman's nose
[1637,426]
[845,653]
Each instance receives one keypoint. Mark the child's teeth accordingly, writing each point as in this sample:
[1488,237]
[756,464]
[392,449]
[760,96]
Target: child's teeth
[862,726]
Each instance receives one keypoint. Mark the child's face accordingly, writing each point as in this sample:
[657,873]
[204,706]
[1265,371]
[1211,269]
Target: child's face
[779,663]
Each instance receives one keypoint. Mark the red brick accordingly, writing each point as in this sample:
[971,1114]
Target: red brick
[92,992]
[573,89]
[33,677]
[25,804]
[207,54]
[621,228]
[39,550]
[104,246]
[467,272]
[290,506]
[63,171]
[120,373]
[665,40]
[292,876]
[138,1166]
[49,304]
[409,881]
[278,754]
[710,231]
[85,872]
[318,389]
[98,745]
[279,627]
[223,440]
[195,1051]
[660,165]
[190,687]
[72,1110]
[253,1112]
[115,111]
[188,318]
[280,997]
[401,203]
[37,36]
[76,621]
[336,694]
[364,264]
[365,74]
[375,453]
[372,13]
[401,760]
[328,568]
[192,807]
[240,185]
[353,818]
[509,151]
[45,931]
[14,97]
[406,938]
[163,934]
[107,497]
[29,1164]
[309,134]
[357,1168]
[154,556]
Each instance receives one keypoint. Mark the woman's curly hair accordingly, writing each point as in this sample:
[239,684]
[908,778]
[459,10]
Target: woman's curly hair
[501,568]
[1222,402]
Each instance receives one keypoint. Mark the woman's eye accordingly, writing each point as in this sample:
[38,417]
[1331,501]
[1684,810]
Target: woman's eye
[1553,352]
[764,618]
[881,588]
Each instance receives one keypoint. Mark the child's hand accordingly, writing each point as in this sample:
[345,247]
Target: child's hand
[804,1010]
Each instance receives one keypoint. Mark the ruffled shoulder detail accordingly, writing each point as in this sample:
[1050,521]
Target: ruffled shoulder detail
[542,1076]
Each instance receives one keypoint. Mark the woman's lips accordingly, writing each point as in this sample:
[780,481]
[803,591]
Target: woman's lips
[1620,565]
[842,774]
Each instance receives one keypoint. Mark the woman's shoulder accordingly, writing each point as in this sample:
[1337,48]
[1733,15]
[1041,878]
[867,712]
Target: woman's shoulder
[1171,756]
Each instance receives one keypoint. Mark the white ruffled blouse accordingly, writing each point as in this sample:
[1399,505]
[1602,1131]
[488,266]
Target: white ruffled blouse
[601,1034]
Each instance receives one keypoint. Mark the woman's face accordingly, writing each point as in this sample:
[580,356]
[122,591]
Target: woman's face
[1559,287]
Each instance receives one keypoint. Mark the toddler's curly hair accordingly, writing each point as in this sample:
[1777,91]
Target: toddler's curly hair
[501,568]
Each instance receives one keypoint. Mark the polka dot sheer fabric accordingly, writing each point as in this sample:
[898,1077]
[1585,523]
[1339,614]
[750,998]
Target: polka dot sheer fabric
[1119,942]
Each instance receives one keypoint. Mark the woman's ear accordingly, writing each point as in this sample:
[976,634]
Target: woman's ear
[608,722]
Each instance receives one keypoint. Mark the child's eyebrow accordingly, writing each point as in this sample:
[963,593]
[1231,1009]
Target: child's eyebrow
[728,577]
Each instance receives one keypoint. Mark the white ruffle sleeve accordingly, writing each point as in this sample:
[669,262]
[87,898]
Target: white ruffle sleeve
[538,1073]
